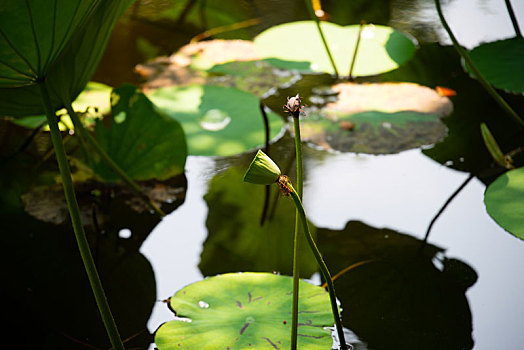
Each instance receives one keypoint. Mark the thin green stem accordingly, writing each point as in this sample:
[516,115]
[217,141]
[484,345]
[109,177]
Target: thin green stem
[513,19]
[323,268]
[74,211]
[480,77]
[110,162]
[296,247]
[317,22]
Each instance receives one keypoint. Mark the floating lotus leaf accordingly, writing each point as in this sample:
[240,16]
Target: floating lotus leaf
[243,311]
[502,63]
[504,200]
[217,121]
[145,144]
[378,118]
[381,48]
[228,63]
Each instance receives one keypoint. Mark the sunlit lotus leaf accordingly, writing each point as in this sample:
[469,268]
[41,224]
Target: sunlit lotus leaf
[502,63]
[386,278]
[228,63]
[246,310]
[241,243]
[61,42]
[378,118]
[217,121]
[145,143]
[504,200]
[381,48]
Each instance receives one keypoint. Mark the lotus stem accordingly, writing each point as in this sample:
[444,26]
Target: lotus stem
[324,42]
[74,211]
[296,246]
[480,77]
[323,268]
[513,18]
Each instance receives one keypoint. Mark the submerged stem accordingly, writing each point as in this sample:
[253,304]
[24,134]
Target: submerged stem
[323,268]
[110,162]
[480,77]
[74,211]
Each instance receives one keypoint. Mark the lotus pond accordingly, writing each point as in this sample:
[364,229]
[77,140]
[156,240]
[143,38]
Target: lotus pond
[413,183]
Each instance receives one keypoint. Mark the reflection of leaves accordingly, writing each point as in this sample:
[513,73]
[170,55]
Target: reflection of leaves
[381,48]
[217,121]
[383,118]
[240,311]
[45,278]
[504,200]
[237,242]
[399,300]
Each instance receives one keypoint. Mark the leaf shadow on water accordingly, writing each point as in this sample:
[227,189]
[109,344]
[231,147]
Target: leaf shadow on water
[400,297]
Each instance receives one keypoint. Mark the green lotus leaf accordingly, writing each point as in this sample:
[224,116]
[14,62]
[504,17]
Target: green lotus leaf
[502,63]
[145,143]
[381,48]
[246,310]
[59,42]
[504,200]
[217,121]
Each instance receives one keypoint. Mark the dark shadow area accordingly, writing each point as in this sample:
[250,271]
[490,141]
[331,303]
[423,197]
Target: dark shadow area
[46,297]
[394,296]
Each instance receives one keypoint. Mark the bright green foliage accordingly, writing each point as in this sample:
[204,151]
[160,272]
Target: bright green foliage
[502,63]
[243,311]
[504,200]
[381,48]
[145,143]
[60,41]
[218,121]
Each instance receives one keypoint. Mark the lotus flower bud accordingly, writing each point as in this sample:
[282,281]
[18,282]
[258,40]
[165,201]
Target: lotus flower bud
[262,171]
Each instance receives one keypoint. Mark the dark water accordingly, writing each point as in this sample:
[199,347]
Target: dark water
[462,292]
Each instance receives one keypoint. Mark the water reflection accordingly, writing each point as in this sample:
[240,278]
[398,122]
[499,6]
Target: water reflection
[397,298]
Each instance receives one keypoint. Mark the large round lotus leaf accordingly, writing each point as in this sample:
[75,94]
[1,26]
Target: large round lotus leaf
[145,143]
[378,118]
[381,48]
[60,41]
[504,200]
[218,121]
[502,63]
[246,311]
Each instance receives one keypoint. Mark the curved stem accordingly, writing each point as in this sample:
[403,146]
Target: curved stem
[110,162]
[324,42]
[296,246]
[480,77]
[323,268]
[74,211]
